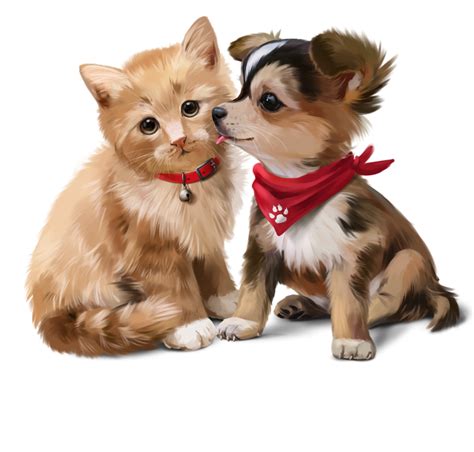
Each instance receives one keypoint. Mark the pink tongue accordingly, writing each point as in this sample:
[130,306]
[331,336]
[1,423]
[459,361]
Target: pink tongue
[221,139]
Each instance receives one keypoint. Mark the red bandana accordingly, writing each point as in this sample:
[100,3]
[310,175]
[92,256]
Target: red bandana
[283,201]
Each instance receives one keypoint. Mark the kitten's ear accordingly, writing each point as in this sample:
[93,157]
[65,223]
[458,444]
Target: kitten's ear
[241,47]
[356,65]
[200,41]
[104,82]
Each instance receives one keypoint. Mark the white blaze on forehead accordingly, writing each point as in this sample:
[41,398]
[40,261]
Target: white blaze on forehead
[258,54]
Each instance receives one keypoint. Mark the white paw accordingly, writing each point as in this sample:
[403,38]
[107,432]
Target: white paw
[223,306]
[193,336]
[236,328]
[279,215]
[353,349]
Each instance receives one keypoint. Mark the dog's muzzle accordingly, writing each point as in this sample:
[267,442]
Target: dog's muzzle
[218,113]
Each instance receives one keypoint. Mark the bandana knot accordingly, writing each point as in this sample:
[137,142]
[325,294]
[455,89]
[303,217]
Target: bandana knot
[363,168]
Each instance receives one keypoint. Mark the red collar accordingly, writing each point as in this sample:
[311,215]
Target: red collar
[283,201]
[202,172]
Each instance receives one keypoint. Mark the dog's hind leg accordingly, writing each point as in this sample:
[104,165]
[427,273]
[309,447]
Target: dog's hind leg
[299,307]
[406,272]
[404,292]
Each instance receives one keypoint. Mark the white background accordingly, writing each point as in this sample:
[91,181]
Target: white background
[282,391]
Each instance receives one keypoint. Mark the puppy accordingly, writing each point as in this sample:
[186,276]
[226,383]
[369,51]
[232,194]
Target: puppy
[316,225]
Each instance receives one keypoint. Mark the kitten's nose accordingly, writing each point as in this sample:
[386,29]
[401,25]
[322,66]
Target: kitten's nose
[180,142]
[218,113]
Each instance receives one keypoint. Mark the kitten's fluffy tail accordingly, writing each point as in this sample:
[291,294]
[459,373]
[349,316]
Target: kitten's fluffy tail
[109,331]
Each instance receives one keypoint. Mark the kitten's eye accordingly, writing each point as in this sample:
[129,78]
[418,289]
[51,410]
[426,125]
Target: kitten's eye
[190,108]
[149,126]
[270,102]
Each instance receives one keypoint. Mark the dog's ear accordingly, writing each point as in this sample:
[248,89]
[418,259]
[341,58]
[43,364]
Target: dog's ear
[355,64]
[104,82]
[200,41]
[241,47]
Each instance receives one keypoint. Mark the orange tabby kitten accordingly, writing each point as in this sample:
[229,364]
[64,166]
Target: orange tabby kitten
[124,260]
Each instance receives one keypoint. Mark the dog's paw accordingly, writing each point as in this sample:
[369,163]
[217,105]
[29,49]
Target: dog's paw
[222,307]
[297,307]
[193,336]
[357,349]
[236,328]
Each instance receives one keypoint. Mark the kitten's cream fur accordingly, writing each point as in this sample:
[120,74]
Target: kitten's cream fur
[121,262]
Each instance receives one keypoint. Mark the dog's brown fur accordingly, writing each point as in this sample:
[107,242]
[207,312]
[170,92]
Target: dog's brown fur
[375,242]
[121,262]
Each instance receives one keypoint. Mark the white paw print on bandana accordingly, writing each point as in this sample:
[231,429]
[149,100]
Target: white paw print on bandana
[279,215]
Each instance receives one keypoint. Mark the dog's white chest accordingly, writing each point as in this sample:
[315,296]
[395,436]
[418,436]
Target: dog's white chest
[315,239]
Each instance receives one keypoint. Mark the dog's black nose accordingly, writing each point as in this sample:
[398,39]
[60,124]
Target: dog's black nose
[218,113]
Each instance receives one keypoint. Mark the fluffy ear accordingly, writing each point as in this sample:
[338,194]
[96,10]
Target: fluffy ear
[356,64]
[241,47]
[104,82]
[200,41]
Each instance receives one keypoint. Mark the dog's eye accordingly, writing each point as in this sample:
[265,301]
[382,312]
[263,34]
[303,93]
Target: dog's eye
[190,108]
[149,126]
[270,102]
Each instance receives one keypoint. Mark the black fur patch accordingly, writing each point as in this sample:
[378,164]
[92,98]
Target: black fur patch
[359,216]
[294,53]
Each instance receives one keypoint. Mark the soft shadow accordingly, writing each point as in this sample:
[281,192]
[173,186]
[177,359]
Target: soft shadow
[284,327]
[384,334]
[464,313]
[160,348]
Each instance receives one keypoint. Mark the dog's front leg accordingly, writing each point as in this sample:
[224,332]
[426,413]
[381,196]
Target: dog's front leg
[349,299]
[260,276]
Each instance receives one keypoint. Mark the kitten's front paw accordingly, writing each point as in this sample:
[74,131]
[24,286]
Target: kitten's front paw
[236,328]
[353,349]
[223,306]
[193,336]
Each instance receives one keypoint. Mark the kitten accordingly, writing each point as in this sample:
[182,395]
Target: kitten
[123,262]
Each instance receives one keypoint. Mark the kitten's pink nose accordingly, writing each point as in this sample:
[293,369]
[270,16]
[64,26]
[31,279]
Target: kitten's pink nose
[180,142]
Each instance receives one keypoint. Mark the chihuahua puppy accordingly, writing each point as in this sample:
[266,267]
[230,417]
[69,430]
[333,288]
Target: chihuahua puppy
[317,226]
